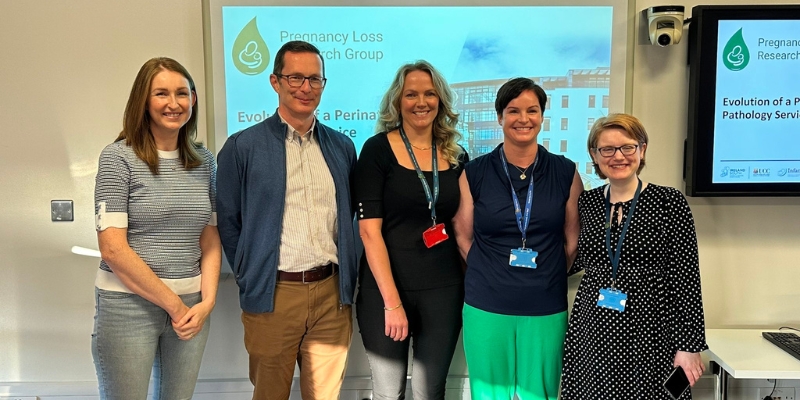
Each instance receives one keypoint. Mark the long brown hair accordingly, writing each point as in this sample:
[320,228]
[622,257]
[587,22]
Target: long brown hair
[136,122]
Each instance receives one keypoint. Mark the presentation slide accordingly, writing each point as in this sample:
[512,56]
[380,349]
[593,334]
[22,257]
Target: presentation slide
[567,49]
[757,117]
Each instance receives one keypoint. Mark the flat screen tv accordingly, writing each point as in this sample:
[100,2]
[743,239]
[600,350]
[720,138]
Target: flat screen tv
[743,134]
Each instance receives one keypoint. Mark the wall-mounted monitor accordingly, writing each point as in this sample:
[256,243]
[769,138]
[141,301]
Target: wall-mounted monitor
[744,101]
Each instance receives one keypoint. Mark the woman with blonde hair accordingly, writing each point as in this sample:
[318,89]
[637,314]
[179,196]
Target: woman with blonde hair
[406,193]
[155,215]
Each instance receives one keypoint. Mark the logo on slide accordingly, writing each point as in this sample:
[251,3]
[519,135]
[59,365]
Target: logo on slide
[736,55]
[250,53]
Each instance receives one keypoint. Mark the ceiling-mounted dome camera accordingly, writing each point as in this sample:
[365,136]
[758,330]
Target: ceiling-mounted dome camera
[665,24]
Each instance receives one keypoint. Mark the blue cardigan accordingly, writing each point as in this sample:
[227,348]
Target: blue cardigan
[251,193]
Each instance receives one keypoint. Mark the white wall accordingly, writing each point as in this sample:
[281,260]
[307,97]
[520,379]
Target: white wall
[65,73]
[66,68]
[749,257]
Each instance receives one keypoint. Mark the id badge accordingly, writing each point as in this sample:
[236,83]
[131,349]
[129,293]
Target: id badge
[612,299]
[434,235]
[523,258]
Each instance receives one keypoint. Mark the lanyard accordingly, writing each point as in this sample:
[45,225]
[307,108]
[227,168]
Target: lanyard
[614,255]
[434,160]
[522,220]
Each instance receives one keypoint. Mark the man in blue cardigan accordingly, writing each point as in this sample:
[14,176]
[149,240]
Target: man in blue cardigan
[286,225]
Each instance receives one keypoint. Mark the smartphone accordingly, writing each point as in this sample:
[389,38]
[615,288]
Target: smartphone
[676,383]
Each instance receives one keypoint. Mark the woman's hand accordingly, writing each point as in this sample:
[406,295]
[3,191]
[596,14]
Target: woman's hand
[396,324]
[178,312]
[692,365]
[192,322]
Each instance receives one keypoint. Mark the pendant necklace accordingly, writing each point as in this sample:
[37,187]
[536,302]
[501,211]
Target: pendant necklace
[522,171]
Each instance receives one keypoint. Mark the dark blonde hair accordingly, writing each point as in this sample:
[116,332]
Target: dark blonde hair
[136,122]
[444,126]
[625,122]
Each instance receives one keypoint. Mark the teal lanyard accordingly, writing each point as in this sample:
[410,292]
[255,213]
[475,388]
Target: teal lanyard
[432,198]
[614,255]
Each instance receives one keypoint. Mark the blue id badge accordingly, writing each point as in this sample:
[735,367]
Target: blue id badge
[523,258]
[613,299]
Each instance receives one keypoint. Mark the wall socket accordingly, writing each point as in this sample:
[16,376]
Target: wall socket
[781,393]
[61,210]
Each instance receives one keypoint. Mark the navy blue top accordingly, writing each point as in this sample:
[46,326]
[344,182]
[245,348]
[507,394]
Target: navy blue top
[491,284]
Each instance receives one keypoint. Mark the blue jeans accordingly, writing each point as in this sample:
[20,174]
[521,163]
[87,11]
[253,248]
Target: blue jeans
[133,337]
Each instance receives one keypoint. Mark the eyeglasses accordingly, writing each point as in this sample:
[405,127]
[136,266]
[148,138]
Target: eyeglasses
[609,151]
[297,80]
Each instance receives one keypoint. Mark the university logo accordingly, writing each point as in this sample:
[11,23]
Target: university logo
[761,172]
[736,55]
[250,53]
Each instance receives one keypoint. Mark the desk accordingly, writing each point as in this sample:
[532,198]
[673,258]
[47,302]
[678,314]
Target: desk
[744,354]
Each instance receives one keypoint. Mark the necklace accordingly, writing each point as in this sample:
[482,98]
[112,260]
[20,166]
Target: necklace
[420,148]
[522,171]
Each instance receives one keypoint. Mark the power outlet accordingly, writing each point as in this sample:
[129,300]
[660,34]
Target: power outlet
[61,210]
[781,393]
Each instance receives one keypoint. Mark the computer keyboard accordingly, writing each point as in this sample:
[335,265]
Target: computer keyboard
[789,342]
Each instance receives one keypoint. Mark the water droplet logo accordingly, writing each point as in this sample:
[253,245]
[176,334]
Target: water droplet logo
[736,55]
[250,53]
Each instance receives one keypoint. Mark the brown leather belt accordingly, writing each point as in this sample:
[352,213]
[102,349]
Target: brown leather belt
[312,275]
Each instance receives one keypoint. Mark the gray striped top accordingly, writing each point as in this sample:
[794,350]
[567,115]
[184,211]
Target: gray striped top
[164,214]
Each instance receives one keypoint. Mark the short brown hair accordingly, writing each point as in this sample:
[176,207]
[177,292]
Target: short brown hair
[295,46]
[625,122]
[136,122]
[513,88]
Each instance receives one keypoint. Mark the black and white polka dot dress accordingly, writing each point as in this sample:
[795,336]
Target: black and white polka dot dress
[628,355]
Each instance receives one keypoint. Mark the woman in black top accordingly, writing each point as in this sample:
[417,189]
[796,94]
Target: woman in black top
[411,281]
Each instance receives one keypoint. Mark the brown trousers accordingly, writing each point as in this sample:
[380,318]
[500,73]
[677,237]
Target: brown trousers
[309,327]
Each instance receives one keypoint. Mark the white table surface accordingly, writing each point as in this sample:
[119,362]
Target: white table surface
[745,354]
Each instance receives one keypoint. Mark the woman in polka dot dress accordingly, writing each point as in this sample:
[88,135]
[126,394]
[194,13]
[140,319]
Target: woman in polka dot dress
[633,323]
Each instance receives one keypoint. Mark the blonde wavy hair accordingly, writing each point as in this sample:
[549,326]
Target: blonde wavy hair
[444,131]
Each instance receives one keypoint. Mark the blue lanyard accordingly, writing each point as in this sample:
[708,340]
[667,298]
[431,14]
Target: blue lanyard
[434,160]
[522,220]
[614,255]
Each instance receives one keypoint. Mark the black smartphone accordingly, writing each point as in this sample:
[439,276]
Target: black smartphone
[676,383]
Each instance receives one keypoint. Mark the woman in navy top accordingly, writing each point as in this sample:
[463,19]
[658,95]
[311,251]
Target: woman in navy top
[517,227]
